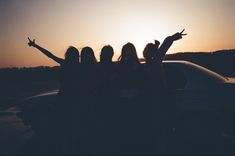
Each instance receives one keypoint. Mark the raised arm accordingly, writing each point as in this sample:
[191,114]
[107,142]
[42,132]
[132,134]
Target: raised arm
[32,43]
[161,51]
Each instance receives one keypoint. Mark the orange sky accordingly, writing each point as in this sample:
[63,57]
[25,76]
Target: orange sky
[57,24]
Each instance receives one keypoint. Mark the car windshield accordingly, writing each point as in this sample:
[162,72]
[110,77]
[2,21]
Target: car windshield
[175,78]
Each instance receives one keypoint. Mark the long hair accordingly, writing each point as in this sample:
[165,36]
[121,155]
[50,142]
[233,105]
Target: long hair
[149,51]
[129,55]
[72,55]
[106,54]
[88,56]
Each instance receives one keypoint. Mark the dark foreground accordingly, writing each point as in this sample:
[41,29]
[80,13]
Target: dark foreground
[18,139]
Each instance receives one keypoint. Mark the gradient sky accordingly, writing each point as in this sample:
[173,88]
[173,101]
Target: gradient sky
[57,24]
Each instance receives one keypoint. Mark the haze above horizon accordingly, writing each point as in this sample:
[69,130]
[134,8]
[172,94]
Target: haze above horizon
[57,24]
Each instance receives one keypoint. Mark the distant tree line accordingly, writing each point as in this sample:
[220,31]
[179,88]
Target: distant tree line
[32,74]
[222,62]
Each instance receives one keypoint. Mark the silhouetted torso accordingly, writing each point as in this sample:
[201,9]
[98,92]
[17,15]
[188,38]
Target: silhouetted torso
[155,77]
[89,79]
[69,84]
[131,111]
[105,72]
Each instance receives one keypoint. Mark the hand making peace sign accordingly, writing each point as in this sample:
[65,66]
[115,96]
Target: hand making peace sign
[178,35]
[31,43]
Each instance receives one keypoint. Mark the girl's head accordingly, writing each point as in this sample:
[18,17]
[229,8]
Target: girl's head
[129,54]
[106,54]
[72,55]
[88,56]
[149,51]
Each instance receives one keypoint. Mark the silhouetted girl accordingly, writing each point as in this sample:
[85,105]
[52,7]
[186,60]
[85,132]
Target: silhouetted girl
[67,98]
[129,107]
[154,67]
[89,70]
[159,96]
[105,69]
[128,76]
[88,92]
[69,68]
[105,99]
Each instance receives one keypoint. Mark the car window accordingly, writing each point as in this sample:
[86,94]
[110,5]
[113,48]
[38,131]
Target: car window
[175,78]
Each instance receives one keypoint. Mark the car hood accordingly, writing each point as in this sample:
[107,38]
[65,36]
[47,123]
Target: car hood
[53,92]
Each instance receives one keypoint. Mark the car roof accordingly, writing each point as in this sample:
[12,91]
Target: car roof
[196,70]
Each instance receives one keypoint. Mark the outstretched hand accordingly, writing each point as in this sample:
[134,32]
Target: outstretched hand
[178,35]
[31,43]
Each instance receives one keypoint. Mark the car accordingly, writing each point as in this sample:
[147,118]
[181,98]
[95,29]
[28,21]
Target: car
[203,103]
[196,91]
[197,88]
[202,106]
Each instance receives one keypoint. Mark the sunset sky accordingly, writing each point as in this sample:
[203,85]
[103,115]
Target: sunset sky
[57,24]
